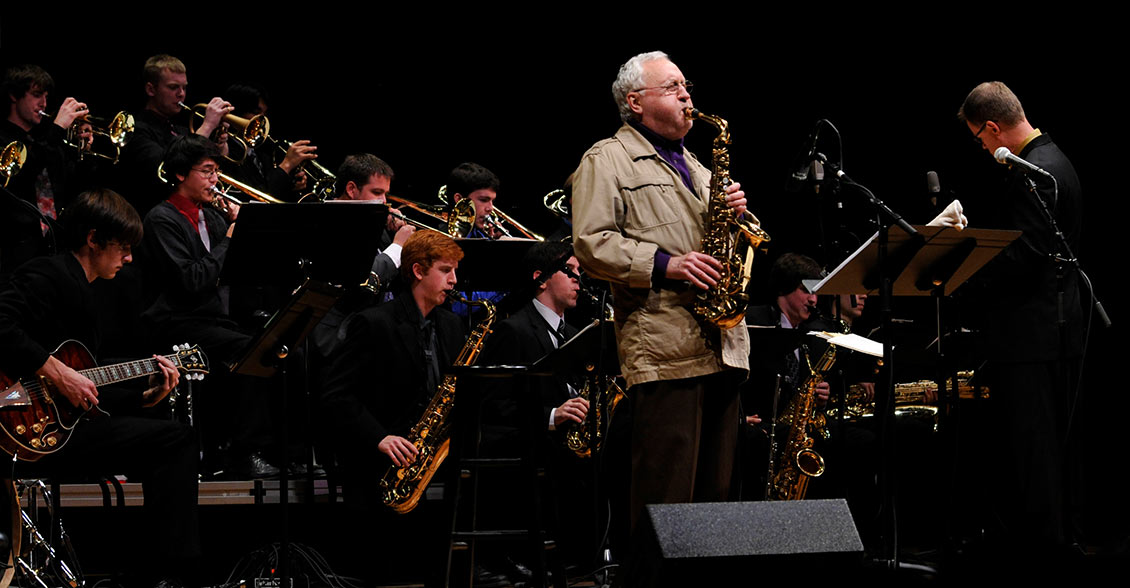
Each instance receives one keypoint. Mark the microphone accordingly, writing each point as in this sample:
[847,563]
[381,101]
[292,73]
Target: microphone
[933,187]
[1003,155]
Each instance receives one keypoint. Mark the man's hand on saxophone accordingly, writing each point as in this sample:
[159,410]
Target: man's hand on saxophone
[700,269]
[398,449]
[735,198]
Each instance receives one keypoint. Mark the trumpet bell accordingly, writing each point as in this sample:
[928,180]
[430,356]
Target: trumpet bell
[12,158]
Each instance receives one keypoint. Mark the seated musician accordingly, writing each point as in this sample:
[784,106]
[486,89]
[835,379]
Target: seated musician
[365,177]
[51,300]
[527,335]
[285,181]
[478,184]
[43,182]
[390,365]
[166,88]
[186,243]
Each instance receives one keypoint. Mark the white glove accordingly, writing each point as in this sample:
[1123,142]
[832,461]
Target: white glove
[950,217]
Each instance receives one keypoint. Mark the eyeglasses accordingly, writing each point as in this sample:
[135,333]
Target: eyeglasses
[671,87]
[209,173]
[977,135]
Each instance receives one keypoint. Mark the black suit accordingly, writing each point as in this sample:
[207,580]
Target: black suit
[377,385]
[1033,365]
[48,301]
[521,339]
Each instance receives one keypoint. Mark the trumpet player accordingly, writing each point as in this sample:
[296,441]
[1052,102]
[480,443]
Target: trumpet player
[286,180]
[166,87]
[43,181]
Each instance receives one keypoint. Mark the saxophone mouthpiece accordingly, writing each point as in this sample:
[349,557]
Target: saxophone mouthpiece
[691,112]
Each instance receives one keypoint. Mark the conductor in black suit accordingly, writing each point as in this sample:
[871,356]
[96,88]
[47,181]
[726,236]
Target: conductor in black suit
[389,365]
[1032,328]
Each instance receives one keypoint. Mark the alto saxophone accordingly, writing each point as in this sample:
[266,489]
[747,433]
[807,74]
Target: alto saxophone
[402,487]
[728,238]
[793,466]
[582,439]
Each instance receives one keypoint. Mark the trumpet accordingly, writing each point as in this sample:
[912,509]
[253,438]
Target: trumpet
[254,130]
[495,220]
[12,158]
[118,130]
[323,179]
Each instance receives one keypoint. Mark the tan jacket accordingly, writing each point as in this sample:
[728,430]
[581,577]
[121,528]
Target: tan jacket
[628,202]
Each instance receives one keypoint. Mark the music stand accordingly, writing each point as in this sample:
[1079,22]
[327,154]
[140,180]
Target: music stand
[933,262]
[282,244]
[489,265]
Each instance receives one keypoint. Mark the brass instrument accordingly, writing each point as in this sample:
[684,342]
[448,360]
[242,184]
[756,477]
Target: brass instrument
[791,468]
[117,130]
[402,487]
[604,395]
[322,181]
[12,158]
[910,398]
[730,239]
[457,224]
[496,220]
[223,195]
[253,131]
[557,202]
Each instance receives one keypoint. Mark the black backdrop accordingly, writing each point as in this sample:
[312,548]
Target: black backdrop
[526,92]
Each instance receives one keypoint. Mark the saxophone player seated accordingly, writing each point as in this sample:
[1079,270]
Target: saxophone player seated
[389,365]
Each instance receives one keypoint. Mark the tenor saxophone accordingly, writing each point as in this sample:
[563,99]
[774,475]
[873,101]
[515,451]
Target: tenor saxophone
[402,487]
[728,238]
[797,462]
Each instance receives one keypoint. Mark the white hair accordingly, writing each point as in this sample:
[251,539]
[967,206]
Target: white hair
[629,79]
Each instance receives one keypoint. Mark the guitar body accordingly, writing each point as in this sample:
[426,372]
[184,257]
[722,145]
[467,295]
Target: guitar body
[35,418]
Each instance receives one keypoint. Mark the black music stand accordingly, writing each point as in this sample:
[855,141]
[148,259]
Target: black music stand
[934,261]
[489,265]
[280,245]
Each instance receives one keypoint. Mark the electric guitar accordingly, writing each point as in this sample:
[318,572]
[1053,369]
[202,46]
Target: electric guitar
[36,419]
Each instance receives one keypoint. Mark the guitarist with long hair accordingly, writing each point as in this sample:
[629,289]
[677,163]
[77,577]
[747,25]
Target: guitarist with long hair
[51,300]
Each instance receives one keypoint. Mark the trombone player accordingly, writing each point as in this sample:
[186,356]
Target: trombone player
[44,180]
[285,181]
[166,85]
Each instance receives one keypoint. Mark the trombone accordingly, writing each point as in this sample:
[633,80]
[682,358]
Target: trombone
[12,158]
[224,196]
[495,219]
[457,223]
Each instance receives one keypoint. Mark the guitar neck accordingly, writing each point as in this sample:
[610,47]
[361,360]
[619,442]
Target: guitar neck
[120,372]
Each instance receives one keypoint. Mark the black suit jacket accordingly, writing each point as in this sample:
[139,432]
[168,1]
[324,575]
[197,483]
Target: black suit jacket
[376,384]
[1019,287]
[521,339]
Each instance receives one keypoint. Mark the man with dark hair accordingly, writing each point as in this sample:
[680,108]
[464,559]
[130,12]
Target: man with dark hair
[166,85]
[1032,320]
[287,180]
[389,366]
[365,177]
[186,243]
[480,186]
[639,212]
[41,184]
[51,300]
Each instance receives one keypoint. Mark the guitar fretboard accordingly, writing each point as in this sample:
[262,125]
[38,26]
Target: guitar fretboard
[118,372]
